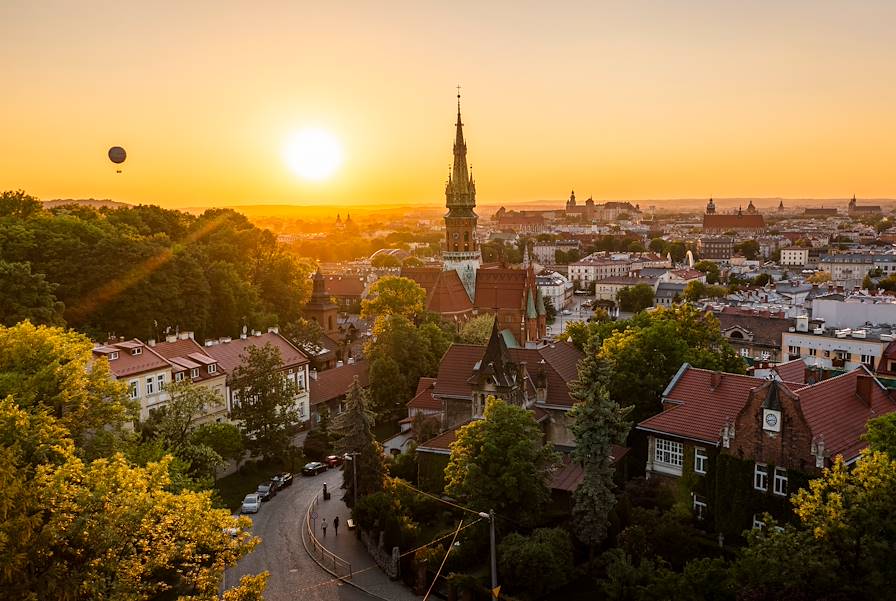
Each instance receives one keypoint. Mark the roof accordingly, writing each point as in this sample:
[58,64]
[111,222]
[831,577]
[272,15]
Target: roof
[568,474]
[733,222]
[423,397]
[501,288]
[687,274]
[334,383]
[230,354]
[448,296]
[766,330]
[792,371]
[186,353]
[441,444]
[344,285]
[130,365]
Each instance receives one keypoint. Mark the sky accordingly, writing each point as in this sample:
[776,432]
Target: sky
[619,100]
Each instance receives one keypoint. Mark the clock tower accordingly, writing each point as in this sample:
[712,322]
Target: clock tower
[460,249]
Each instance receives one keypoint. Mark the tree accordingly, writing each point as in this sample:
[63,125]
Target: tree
[501,463]
[477,330]
[819,277]
[762,279]
[881,434]
[223,438]
[305,334]
[550,311]
[264,402]
[388,388]
[25,295]
[598,423]
[695,290]
[354,434]
[393,295]
[659,246]
[547,548]
[710,269]
[18,204]
[636,298]
[105,529]
[384,260]
[747,248]
[174,421]
[868,283]
[44,368]
[412,262]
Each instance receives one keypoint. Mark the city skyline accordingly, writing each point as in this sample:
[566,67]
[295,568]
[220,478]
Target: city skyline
[633,102]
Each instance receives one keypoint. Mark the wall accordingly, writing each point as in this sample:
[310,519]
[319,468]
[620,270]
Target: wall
[839,314]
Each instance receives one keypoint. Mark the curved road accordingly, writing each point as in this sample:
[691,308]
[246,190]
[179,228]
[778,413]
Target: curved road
[294,575]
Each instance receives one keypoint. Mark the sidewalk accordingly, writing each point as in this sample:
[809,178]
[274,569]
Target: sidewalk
[366,574]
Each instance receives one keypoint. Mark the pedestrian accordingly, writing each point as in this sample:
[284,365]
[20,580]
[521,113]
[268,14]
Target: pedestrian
[323,525]
[336,525]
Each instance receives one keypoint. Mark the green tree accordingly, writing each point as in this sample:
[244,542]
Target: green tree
[710,269]
[388,388]
[15,203]
[223,438]
[187,403]
[104,529]
[25,295]
[44,368]
[597,424]
[881,434]
[748,248]
[762,279]
[319,441]
[304,333]
[265,402]
[477,330]
[696,290]
[547,548]
[353,429]
[636,298]
[383,260]
[819,277]
[393,295]
[412,262]
[658,245]
[501,463]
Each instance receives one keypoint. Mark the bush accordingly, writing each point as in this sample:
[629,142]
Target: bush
[317,445]
[538,564]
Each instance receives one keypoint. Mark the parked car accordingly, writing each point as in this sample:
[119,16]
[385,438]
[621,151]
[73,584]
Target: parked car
[333,461]
[267,490]
[251,504]
[314,468]
[282,480]
[567,312]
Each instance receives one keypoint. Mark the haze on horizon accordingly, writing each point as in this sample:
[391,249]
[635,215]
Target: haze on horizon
[619,101]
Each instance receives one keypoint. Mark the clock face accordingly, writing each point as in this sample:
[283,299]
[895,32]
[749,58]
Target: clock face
[771,419]
[456,235]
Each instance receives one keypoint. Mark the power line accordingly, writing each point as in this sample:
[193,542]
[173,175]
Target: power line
[444,559]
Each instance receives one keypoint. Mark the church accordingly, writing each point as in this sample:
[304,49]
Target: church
[465,287]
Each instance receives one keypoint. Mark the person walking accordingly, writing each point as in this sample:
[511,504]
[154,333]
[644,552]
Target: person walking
[336,526]
[323,525]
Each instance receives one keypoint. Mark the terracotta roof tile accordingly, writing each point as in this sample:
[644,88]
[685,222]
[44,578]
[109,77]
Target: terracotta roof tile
[344,285]
[334,383]
[423,399]
[792,371]
[734,222]
[229,354]
[130,365]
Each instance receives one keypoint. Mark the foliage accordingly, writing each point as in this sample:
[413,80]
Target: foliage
[25,295]
[318,444]
[18,205]
[304,333]
[383,260]
[501,463]
[477,330]
[659,246]
[763,279]
[393,295]
[881,434]
[104,529]
[223,438]
[354,431]
[598,424]
[383,511]
[747,248]
[412,262]
[710,269]
[547,548]
[550,311]
[264,402]
[695,290]
[636,298]
[46,368]
[819,277]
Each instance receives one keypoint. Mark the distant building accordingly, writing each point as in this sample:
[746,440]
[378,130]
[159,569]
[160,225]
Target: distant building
[715,248]
[556,288]
[796,257]
[327,390]
[141,369]
[753,333]
[828,348]
[858,210]
[820,212]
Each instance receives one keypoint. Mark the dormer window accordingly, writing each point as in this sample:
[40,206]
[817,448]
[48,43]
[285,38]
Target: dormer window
[194,373]
[136,351]
[113,355]
[213,368]
[179,376]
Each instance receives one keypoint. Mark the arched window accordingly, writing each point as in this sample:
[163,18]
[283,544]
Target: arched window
[736,334]
[466,236]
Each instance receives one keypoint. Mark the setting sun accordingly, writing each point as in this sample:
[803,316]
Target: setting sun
[313,154]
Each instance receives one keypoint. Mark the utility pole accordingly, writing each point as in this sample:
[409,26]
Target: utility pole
[490,516]
[354,455]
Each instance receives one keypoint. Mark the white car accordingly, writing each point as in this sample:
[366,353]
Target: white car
[567,312]
[251,504]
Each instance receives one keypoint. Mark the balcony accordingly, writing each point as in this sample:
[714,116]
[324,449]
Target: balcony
[837,362]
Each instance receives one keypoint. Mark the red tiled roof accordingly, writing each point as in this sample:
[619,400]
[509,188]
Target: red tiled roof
[334,383]
[568,474]
[834,411]
[442,442]
[448,296]
[792,371]
[455,368]
[699,411]
[423,398]
[734,222]
[188,354]
[688,274]
[344,285]
[229,354]
[127,364]
[501,288]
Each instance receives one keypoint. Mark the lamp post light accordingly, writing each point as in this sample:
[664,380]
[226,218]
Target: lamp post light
[490,516]
[354,455]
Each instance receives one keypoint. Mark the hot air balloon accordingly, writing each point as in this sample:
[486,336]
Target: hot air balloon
[117,155]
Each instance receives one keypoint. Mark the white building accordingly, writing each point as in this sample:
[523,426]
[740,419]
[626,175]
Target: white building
[145,373]
[835,348]
[794,256]
[855,311]
[555,287]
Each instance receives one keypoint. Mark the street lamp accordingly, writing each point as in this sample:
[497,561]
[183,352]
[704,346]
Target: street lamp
[490,516]
[354,461]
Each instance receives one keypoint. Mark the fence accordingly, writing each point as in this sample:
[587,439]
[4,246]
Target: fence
[337,565]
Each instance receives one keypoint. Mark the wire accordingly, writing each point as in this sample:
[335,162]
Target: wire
[441,538]
[431,496]
[444,559]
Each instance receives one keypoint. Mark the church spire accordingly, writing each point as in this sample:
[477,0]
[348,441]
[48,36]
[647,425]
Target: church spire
[460,173]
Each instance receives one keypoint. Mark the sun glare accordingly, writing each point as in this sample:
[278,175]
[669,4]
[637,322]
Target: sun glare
[313,154]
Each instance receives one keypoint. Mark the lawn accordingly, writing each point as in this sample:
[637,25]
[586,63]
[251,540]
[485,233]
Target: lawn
[231,489]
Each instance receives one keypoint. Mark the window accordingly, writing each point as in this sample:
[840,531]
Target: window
[699,507]
[194,373]
[213,368]
[150,385]
[868,360]
[780,481]
[827,354]
[757,523]
[160,382]
[793,350]
[113,355]
[700,459]
[301,380]
[179,376]
[136,351]
[760,477]
[744,352]
[813,352]
[843,355]
[669,452]
[134,389]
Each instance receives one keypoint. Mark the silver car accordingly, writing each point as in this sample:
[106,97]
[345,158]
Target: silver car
[251,504]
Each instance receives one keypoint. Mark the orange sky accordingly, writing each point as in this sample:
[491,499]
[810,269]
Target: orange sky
[621,100]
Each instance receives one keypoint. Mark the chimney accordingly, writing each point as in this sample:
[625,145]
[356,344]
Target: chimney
[226,339]
[313,373]
[185,335]
[151,342]
[715,379]
[171,338]
[274,330]
[864,388]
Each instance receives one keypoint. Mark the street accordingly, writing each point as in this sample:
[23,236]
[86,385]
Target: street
[578,313]
[293,574]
